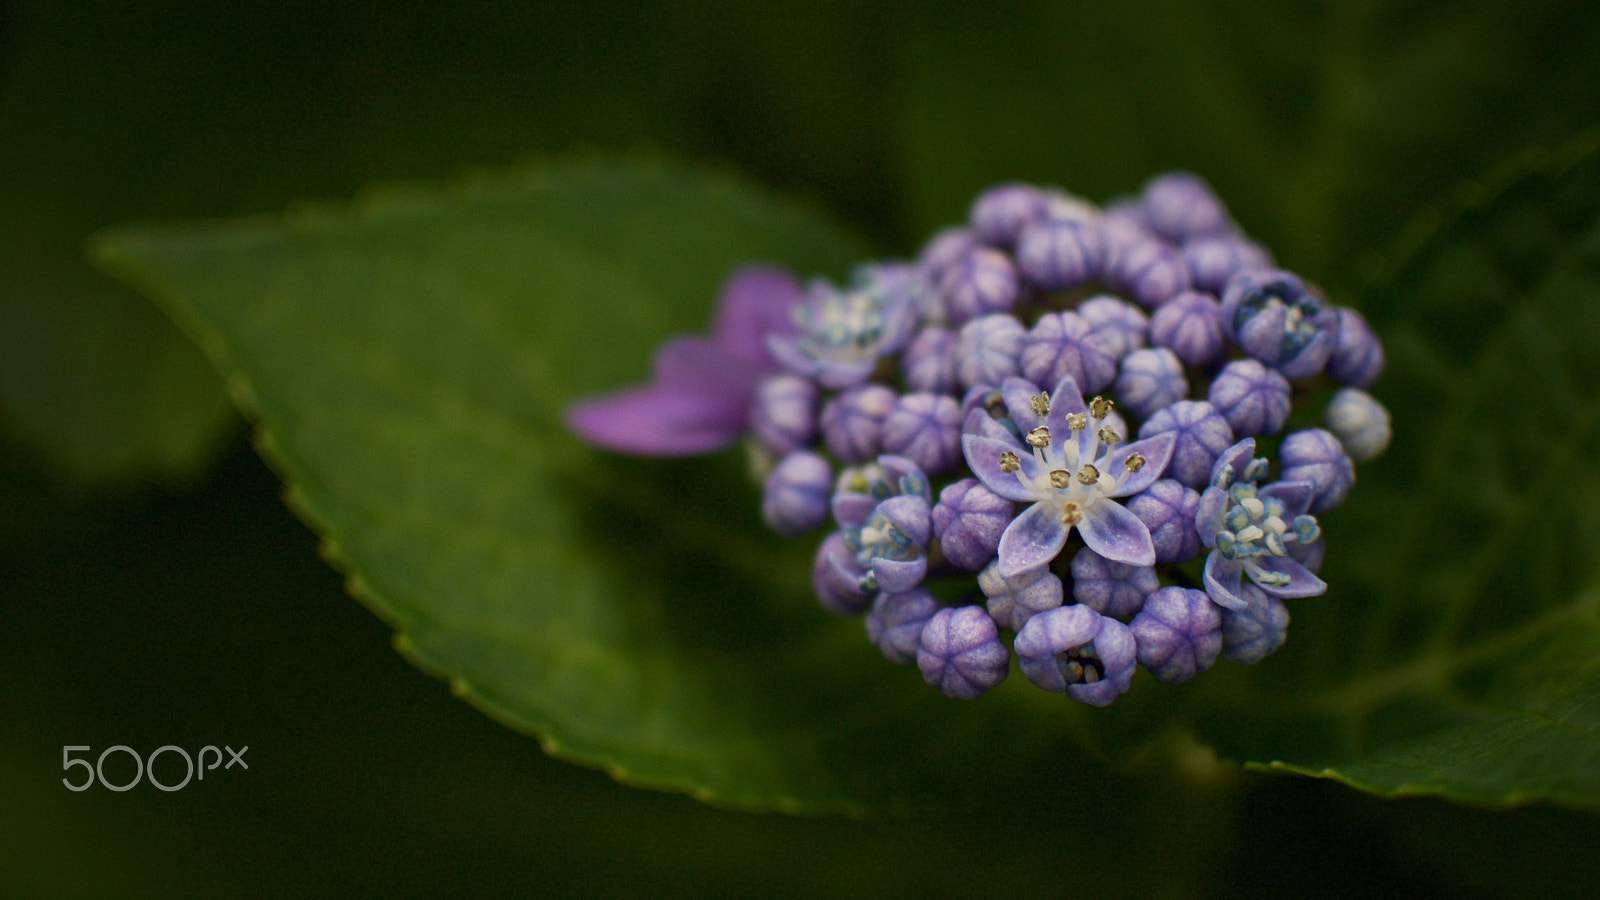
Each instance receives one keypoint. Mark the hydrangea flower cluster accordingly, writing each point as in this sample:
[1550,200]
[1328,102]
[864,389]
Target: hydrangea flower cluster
[1039,437]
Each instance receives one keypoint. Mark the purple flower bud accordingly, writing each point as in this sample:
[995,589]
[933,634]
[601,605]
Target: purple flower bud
[1202,433]
[1188,326]
[999,213]
[1148,272]
[852,422]
[1213,261]
[943,249]
[1251,634]
[929,361]
[794,498]
[1077,650]
[836,578]
[1110,588]
[979,283]
[1274,318]
[1359,422]
[987,349]
[960,652]
[1179,633]
[1014,600]
[1168,509]
[926,429]
[784,417]
[1124,222]
[1150,380]
[1058,255]
[968,521]
[1061,344]
[1180,205]
[1121,326]
[895,622]
[1316,456]
[1357,355]
[1253,398]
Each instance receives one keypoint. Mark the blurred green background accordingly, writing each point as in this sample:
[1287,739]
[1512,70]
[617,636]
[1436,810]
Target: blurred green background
[154,590]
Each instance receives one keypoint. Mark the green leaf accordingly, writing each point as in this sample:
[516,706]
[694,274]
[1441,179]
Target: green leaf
[1458,650]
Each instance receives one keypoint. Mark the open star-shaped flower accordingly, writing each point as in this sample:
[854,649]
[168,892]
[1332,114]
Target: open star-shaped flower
[1070,466]
[1253,531]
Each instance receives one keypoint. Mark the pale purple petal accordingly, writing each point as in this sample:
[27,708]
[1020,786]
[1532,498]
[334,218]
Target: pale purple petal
[1018,394]
[1111,531]
[1301,582]
[983,455]
[898,576]
[1157,452]
[1222,579]
[1035,537]
[852,508]
[756,302]
[1295,496]
[1235,457]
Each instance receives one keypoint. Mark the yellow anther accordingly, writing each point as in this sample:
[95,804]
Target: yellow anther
[1107,436]
[1071,513]
[1088,474]
[1134,462]
[1009,462]
[1040,403]
[1077,421]
[1039,437]
[1060,478]
[1099,407]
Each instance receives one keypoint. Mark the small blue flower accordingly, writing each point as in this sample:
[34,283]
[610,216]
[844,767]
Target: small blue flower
[1316,456]
[1120,325]
[796,493]
[1188,326]
[1110,588]
[884,512]
[968,521]
[1167,508]
[1251,528]
[1151,379]
[1075,650]
[1179,633]
[895,623]
[1063,345]
[1251,397]
[987,348]
[980,282]
[1180,206]
[1251,634]
[842,333]
[959,652]
[1359,422]
[1069,468]
[784,416]
[836,578]
[1274,318]
[929,361]
[1059,255]
[852,422]
[1013,601]
[1201,434]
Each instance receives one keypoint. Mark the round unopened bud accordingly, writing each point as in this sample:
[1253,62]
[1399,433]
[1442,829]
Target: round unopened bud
[1120,325]
[987,349]
[1179,633]
[1150,380]
[1188,326]
[1167,508]
[999,214]
[968,520]
[1213,261]
[1357,354]
[1180,206]
[895,623]
[959,652]
[1014,600]
[1316,456]
[852,422]
[926,429]
[1058,255]
[1202,434]
[1062,344]
[1251,634]
[1109,587]
[929,361]
[1253,398]
[1147,272]
[1075,650]
[1359,422]
[979,283]
[784,415]
[836,578]
[795,495]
